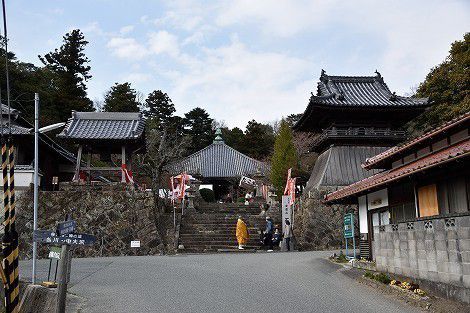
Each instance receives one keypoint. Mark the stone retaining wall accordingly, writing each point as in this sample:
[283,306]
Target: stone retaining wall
[115,215]
[434,251]
[319,226]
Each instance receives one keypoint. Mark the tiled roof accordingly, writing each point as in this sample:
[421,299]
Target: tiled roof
[104,126]
[341,166]
[359,91]
[370,162]
[15,129]
[354,92]
[221,161]
[451,153]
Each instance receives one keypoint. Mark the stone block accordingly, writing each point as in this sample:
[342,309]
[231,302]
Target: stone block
[403,245]
[455,268]
[440,245]
[454,256]
[420,244]
[429,245]
[451,234]
[423,274]
[464,244]
[443,277]
[455,279]
[465,255]
[440,234]
[406,271]
[429,234]
[419,234]
[466,281]
[433,276]
[411,245]
[452,245]
[422,254]
[432,265]
[438,225]
[443,267]
[422,265]
[411,235]
[463,232]
[466,268]
[442,256]
[463,221]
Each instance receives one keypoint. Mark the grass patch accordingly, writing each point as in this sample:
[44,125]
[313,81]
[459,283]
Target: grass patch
[380,277]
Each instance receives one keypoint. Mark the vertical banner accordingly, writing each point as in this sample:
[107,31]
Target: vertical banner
[286,211]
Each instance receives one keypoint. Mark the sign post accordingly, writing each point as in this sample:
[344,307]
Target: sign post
[349,231]
[65,236]
[286,214]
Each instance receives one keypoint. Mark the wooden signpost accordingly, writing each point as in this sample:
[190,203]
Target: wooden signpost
[64,235]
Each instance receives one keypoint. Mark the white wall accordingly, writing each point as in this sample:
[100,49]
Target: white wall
[362,214]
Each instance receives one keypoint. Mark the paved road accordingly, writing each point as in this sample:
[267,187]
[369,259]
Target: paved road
[260,282]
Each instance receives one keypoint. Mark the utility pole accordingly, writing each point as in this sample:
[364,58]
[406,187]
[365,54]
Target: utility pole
[36,180]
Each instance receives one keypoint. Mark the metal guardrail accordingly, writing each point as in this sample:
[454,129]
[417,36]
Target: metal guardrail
[359,133]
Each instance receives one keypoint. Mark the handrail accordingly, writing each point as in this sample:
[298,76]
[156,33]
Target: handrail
[359,132]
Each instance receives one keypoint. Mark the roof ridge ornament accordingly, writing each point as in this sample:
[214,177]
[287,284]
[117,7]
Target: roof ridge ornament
[323,76]
[218,137]
[393,96]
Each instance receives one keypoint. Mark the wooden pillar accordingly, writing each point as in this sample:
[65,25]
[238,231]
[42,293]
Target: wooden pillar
[123,162]
[76,177]
[88,164]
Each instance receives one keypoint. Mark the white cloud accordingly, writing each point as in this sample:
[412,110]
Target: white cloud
[237,85]
[127,48]
[138,77]
[163,42]
[126,29]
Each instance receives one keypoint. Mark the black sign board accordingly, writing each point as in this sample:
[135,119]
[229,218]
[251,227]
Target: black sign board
[51,237]
[66,227]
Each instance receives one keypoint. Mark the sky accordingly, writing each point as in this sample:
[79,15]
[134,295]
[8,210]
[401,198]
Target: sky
[242,59]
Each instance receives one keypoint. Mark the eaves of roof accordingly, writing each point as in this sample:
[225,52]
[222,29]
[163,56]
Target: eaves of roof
[452,153]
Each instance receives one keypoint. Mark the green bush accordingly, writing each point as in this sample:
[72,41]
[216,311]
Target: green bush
[369,274]
[342,259]
[207,194]
[383,278]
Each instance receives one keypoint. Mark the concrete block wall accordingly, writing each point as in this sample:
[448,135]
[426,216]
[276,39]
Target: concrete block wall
[434,251]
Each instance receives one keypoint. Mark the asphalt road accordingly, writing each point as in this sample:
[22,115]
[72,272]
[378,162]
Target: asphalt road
[259,282]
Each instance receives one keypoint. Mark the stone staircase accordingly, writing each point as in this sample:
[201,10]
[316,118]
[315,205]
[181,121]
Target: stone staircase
[212,228]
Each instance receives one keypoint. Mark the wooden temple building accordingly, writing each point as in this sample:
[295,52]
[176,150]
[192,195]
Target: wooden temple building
[105,134]
[54,159]
[352,118]
[221,166]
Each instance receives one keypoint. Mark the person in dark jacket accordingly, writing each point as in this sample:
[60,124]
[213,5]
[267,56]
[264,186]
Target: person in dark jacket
[268,234]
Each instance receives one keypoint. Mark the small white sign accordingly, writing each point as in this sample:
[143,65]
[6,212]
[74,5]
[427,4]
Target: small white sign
[135,244]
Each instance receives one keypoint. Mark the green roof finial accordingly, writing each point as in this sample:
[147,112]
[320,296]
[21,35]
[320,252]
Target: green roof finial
[218,137]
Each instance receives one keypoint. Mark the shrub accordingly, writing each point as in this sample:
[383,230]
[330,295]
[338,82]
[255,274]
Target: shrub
[369,275]
[342,259]
[383,278]
[207,194]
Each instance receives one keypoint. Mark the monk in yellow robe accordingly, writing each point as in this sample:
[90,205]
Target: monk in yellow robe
[242,233]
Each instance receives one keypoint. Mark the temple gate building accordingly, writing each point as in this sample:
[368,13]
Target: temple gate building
[221,166]
[353,118]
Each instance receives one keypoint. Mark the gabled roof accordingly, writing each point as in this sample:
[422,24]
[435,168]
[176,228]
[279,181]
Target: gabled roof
[104,126]
[457,151]
[219,160]
[355,92]
[373,162]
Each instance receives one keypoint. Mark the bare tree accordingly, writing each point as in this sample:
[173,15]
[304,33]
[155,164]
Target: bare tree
[163,148]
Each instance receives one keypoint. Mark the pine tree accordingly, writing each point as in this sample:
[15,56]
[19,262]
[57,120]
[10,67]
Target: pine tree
[284,157]
[69,70]
[258,140]
[121,98]
[159,109]
[198,125]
